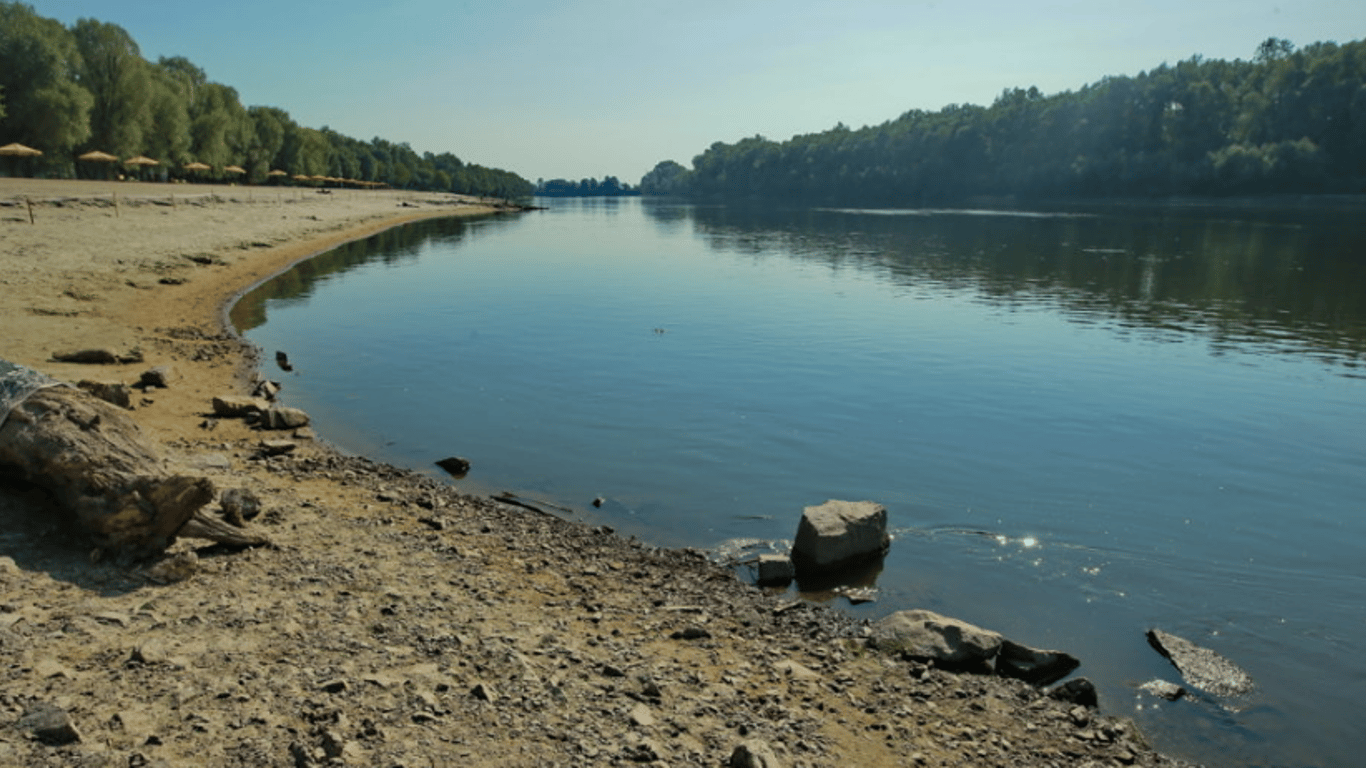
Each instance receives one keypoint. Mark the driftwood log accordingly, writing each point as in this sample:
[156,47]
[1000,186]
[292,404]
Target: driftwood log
[96,462]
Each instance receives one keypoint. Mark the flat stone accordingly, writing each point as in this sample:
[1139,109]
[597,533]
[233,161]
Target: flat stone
[642,716]
[928,636]
[236,406]
[1202,667]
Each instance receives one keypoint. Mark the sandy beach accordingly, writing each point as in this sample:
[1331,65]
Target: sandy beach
[395,621]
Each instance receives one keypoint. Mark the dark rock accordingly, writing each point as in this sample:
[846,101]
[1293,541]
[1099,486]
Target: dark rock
[50,724]
[483,692]
[455,466]
[1201,667]
[691,633]
[96,356]
[159,377]
[282,360]
[335,686]
[1034,666]
[838,534]
[928,636]
[1077,691]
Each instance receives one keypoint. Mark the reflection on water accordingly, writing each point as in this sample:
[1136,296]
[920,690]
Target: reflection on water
[1281,281]
[392,247]
[1082,424]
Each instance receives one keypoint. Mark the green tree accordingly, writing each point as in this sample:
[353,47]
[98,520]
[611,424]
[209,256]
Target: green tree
[117,77]
[270,125]
[167,137]
[39,62]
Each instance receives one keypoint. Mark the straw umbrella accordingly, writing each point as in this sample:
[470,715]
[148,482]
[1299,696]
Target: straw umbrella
[142,161]
[96,156]
[17,150]
[234,169]
[195,167]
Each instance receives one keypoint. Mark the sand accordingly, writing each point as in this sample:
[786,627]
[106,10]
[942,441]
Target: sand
[396,621]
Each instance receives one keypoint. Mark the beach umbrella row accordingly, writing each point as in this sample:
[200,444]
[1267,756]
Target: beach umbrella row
[96,156]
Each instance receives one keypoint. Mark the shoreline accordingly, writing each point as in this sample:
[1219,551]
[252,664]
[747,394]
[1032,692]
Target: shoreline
[398,621]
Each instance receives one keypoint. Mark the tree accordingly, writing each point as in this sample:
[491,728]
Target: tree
[117,77]
[39,62]
[1273,49]
[270,125]
[167,137]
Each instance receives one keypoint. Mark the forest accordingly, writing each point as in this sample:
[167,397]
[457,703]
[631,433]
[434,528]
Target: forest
[610,186]
[1288,121]
[71,90]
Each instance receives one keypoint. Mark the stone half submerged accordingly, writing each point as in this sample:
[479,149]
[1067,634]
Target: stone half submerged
[839,535]
[1202,667]
[952,644]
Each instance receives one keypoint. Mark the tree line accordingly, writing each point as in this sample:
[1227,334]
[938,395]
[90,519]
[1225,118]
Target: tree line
[1288,121]
[68,90]
[610,186]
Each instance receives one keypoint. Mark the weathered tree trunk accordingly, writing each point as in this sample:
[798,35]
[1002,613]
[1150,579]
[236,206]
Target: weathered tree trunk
[97,463]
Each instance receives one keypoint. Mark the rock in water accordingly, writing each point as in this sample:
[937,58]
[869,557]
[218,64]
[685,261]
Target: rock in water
[838,534]
[457,467]
[1032,665]
[774,570]
[1202,667]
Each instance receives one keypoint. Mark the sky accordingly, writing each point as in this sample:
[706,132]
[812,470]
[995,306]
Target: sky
[559,89]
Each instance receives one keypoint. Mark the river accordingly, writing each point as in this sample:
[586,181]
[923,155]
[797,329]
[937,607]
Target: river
[1084,422]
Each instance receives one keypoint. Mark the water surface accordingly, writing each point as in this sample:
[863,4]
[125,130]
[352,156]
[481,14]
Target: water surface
[1083,423]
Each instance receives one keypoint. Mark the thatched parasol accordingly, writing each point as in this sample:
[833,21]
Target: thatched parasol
[277,172]
[96,156]
[234,169]
[19,150]
[142,160]
[196,167]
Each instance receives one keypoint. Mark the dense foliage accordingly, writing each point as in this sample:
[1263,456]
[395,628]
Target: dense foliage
[608,187]
[66,91]
[1288,121]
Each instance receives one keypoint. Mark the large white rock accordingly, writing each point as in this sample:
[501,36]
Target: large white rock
[840,533]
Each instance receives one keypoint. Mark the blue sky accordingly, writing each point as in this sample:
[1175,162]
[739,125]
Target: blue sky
[610,87]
